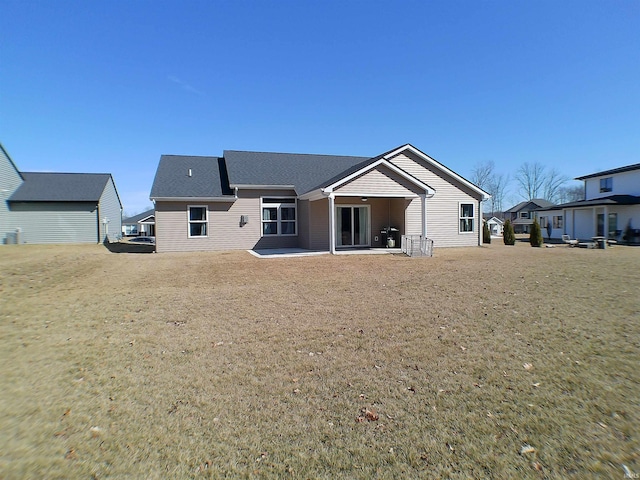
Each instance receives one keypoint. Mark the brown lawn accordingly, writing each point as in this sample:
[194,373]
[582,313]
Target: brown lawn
[220,364]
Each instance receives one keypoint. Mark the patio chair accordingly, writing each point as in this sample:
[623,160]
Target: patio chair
[567,239]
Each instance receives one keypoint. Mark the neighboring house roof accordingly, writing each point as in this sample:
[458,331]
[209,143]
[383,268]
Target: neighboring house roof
[6,154]
[191,177]
[495,220]
[627,168]
[610,200]
[301,172]
[60,187]
[536,202]
[139,217]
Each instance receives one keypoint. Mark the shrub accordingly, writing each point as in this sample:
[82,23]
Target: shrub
[508,236]
[535,236]
[486,233]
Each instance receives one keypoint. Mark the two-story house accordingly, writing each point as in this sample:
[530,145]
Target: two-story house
[523,214]
[611,206]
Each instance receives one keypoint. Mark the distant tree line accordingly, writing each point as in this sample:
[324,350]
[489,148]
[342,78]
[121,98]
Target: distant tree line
[531,180]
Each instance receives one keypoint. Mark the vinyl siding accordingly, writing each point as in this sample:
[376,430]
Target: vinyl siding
[319,225]
[380,182]
[625,183]
[56,222]
[413,216]
[224,230]
[10,180]
[109,207]
[443,219]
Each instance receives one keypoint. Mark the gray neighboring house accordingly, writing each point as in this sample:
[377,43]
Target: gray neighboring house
[143,224]
[259,200]
[523,214]
[39,207]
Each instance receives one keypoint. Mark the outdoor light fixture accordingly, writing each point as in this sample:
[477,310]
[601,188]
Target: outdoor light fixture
[364,199]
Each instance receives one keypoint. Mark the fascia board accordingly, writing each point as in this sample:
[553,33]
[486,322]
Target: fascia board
[435,163]
[390,166]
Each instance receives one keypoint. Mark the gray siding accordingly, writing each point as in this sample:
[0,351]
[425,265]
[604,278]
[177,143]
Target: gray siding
[443,218]
[225,232]
[109,207]
[10,180]
[56,222]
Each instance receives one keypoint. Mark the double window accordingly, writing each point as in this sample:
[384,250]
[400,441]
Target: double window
[466,217]
[606,184]
[279,216]
[198,217]
[524,214]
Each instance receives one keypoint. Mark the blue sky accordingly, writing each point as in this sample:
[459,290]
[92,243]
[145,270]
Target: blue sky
[110,86]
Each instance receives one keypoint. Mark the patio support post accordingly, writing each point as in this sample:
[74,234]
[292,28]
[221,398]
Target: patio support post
[595,222]
[332,224]
[605,233]
[423,205]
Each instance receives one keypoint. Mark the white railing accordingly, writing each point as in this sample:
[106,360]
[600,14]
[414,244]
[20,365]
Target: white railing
[417,246]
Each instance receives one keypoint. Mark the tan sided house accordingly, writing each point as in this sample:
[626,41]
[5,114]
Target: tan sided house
[257,200]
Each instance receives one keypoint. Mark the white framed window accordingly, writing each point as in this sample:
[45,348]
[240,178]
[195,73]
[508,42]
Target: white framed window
[279,216]
[466,217]
[557,221]
[606,184]
[198,221]
[524,214]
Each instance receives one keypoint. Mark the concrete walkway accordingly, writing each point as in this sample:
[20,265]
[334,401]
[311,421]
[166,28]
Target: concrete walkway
[300,252]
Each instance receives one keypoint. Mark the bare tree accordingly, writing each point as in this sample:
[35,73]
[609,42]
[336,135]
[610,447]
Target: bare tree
[497,188]
[482,174]
[573,193]
[553,182]
[531,179]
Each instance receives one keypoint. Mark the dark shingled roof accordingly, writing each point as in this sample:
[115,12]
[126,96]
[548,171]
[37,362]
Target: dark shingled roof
[140,216]
[304,171]
[60,187]
[610,200]
[628,168]
[540,202]
[208,177]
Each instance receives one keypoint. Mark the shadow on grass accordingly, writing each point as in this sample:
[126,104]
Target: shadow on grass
[123,247]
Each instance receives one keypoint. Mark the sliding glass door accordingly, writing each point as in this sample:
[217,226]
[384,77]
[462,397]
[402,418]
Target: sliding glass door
[352,226]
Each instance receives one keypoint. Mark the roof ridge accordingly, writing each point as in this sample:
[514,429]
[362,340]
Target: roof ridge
[298,154]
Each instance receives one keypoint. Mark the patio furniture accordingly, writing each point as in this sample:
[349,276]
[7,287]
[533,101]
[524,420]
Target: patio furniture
[567,239]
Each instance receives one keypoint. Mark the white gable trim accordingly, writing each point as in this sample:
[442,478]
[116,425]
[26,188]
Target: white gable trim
[438,165]
[428,190]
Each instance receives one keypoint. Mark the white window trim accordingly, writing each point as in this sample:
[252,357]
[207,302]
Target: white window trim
[279,220]
[472,217]
[189,221]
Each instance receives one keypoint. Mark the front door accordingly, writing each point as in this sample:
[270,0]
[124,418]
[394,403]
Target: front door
[352,226]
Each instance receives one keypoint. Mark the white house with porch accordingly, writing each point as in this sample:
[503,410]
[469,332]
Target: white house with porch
[610,208]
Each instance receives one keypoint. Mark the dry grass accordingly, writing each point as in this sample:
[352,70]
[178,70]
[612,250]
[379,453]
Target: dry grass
[220,364]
